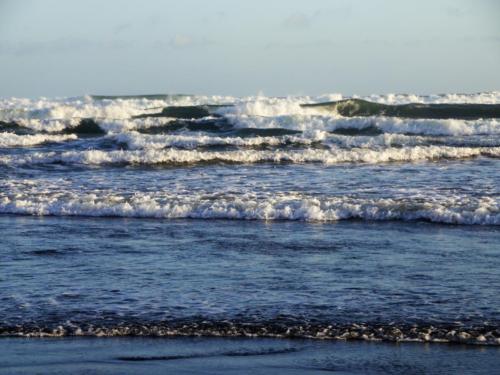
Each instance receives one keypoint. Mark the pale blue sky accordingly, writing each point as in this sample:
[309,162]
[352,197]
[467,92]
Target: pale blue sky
[275,47]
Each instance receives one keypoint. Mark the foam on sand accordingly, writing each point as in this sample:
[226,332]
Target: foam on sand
[279,329]
[364,108]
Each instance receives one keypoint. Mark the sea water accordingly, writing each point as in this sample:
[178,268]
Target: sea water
[262,218]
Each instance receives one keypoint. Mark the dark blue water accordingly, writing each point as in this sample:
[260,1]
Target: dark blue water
[111,273]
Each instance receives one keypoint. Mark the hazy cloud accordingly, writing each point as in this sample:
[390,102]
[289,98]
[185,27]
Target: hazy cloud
[181,41]
[56,46]
[221,14]
[455,11]
[302,21]
[481,39]
[297,21]
[122,27]
[295,45]
[342,10]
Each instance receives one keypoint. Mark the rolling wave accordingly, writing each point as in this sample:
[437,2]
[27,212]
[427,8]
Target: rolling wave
[134,140]
[186,157]
[364,108]
[14,140]
[449,127]
[248,126]
[458,209]
[123,107]
[438,115]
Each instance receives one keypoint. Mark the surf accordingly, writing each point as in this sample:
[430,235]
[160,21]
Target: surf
[364,108]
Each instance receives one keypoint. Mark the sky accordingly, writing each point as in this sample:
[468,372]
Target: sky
[238,47]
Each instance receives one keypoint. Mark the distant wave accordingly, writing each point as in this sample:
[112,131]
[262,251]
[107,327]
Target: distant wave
[123,107]
[364,108]
[259,126]
[407,114]
[449,127]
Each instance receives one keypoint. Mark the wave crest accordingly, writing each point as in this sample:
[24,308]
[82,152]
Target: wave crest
[14,140]
[451,210]
[182,157]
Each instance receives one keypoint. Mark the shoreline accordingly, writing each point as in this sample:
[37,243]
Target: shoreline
[475,336]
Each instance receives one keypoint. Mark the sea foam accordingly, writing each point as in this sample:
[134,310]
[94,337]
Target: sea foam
[249,206]
[14,140]
[176,156]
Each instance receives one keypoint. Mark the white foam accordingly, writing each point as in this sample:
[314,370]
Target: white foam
[137,141]
[280,106]
[453,210]
[13,109]
[304,123]
[450,127]
[13,140]
[118,126]
[270,106]
[175,156]
[46,125]
[491,97]
[308,123]
[71,108]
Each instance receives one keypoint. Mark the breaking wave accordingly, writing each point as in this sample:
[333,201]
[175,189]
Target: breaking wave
[182,157]
[448,127]
[365,108]
[14,140]
[450,210]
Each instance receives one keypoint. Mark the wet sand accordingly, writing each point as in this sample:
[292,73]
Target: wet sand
[237,356]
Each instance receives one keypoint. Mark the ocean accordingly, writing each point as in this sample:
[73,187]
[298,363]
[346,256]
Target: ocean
[325,218]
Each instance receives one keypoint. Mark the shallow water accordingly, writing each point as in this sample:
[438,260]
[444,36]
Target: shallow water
[178,274]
